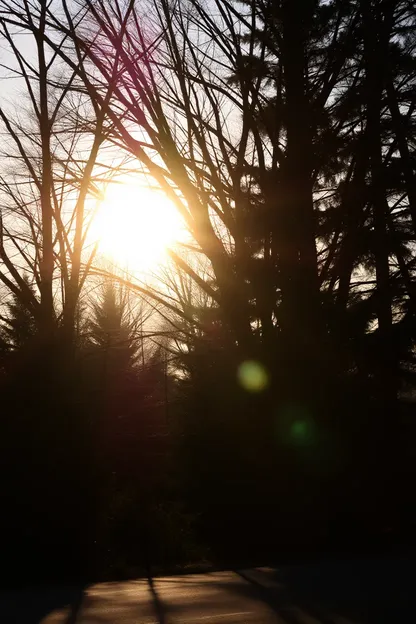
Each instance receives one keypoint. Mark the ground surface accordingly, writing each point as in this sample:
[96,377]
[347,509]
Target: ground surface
[359,592]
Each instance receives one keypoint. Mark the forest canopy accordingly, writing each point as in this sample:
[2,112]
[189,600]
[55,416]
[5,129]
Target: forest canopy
[272,349]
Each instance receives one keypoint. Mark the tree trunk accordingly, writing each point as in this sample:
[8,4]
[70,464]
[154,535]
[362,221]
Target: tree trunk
[375,49]
[47,263]
[301,320]
[298,260]
[354,200]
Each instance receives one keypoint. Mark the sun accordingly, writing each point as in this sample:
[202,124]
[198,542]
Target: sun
[135,226]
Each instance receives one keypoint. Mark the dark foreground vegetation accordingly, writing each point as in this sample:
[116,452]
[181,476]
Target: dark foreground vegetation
[256,402]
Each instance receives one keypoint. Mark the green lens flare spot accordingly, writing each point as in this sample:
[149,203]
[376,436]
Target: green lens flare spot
[253,376]
[301,432]
[295,426]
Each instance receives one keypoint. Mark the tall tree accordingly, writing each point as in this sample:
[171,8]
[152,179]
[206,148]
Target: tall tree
[18,327]
[112,330]
[53,141]
[288,148]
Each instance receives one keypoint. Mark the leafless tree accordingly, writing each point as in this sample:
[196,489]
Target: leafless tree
[50,173]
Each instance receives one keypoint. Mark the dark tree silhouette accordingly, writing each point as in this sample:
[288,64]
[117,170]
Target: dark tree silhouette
[284,133]
[18,326]
[111,332]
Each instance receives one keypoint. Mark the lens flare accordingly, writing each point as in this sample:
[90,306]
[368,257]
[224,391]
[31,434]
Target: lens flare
[253,376]
[301,432]
[295,426]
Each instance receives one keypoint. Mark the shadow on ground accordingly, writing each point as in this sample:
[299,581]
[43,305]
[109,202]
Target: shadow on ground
[366,591]
[32,606]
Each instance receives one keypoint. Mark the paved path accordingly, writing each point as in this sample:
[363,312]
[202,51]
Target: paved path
[218,598]
[362,592]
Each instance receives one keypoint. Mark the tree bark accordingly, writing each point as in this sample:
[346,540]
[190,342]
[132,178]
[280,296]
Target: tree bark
[47,262]
[375,47]
[298,260]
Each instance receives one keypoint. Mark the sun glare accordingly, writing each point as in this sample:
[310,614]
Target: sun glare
[135,226]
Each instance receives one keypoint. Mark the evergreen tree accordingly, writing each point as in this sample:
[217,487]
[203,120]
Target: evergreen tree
[113,336]
[18,327]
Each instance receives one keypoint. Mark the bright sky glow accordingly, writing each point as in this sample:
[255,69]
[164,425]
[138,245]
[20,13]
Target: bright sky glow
[135,226]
